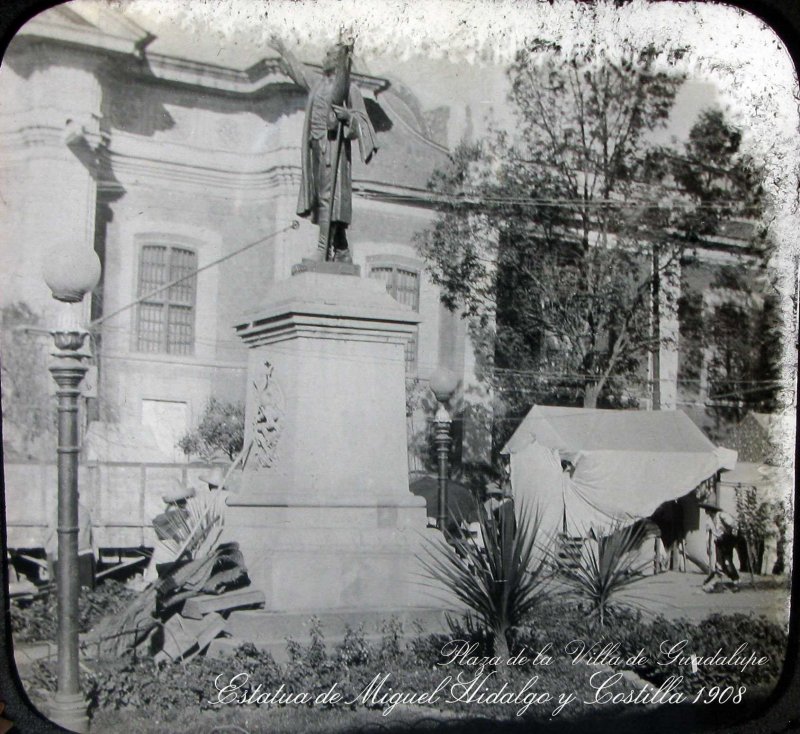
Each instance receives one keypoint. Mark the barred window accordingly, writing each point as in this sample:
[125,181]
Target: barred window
[165,320]
[403,285]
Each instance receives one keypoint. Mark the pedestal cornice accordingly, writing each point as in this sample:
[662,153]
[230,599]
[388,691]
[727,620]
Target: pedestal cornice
[323,306]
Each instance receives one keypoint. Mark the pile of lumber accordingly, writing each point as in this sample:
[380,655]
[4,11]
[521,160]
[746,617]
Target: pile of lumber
[202,619]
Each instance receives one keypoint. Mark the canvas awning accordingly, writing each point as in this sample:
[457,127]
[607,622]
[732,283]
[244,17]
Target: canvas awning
[626,463]
[774,483]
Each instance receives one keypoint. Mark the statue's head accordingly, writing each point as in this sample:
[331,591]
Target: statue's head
[332,58]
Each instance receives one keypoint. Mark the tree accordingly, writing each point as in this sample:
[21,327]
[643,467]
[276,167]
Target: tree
[756,521]
[716,176]
[736,336]
[29,408]
[221,429]
[555,241]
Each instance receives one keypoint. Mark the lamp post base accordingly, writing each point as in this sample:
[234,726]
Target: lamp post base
[69,711]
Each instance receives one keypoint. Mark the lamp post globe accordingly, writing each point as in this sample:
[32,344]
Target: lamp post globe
[70,272]
[443,384]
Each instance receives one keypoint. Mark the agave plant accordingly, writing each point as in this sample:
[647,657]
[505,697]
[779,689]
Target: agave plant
[502,582]
[607,566]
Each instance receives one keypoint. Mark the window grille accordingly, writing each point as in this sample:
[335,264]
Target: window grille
[165,321]
[403,285]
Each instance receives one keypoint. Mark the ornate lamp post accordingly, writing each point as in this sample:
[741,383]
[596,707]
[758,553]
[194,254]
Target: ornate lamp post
[443,384]
[70,273]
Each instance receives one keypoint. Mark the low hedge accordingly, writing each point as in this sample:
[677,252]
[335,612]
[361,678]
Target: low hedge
[352,664]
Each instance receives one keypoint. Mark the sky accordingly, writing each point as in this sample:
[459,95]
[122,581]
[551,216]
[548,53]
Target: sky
[435,78]
[453,52]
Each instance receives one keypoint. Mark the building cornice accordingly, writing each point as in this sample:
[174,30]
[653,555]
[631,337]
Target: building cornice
[111,32]
[253,79]
[65,25]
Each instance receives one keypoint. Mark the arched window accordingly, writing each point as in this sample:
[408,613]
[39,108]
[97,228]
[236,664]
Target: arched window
[165,316]
[402,283]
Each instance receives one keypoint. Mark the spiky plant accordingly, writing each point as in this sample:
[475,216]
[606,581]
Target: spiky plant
[606,568]
[502,583]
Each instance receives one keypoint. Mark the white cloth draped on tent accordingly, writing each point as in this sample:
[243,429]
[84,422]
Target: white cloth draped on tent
[624,464]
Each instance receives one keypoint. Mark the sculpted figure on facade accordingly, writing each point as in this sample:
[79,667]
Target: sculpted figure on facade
[268,417]
[335,115]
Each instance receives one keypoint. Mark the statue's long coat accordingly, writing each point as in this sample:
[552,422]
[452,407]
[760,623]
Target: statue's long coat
[361,129]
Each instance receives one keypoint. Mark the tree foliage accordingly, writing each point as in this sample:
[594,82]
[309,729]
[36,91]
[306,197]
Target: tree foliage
[553,239]
[221,429]
[29,408]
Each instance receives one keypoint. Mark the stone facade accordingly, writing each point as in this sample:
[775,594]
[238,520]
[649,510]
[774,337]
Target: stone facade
[152,156]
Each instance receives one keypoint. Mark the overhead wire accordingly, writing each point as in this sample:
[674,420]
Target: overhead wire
[553,202]
[101,319]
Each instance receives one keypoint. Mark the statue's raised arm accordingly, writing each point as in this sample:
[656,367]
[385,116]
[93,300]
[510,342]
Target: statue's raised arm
[294,69]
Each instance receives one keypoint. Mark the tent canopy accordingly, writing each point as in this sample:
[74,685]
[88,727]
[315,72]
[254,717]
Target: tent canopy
[626,464]
[773,483]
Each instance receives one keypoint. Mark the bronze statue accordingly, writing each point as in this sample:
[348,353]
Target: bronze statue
[335,115]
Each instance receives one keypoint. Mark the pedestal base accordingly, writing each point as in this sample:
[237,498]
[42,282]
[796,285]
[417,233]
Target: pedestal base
[325,558]
[69,711]
[325,266]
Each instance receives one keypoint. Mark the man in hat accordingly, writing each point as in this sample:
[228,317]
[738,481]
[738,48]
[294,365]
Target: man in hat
[722,537]
[500,508]
[213,478]
[335,115]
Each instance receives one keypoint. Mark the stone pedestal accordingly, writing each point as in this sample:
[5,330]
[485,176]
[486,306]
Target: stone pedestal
[324,515]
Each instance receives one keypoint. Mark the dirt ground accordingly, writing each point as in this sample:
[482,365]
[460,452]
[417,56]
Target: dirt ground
[675,594]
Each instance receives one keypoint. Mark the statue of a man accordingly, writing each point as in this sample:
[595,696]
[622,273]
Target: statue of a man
[335,115]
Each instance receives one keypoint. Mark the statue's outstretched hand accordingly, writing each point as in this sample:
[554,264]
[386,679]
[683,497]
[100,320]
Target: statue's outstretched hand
[276,43]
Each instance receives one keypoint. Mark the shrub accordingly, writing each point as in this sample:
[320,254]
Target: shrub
[391,646]
[605,569]
[723,632]
[221,429]
[36,620]
[501,583]
[354,650]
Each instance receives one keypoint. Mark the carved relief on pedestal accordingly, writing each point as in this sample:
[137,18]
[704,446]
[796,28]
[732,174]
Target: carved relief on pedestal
[268,417]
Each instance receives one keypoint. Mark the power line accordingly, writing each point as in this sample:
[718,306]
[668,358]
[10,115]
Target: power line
[434,198]
[575,376]
[294,225]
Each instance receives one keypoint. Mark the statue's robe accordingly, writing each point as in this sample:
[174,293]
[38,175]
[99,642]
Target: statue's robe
[310,199]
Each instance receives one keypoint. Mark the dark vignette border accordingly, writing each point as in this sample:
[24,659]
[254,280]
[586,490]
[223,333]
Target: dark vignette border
[779,713]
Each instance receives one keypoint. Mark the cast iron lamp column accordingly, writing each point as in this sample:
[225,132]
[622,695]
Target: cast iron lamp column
[443,385]
[70,273]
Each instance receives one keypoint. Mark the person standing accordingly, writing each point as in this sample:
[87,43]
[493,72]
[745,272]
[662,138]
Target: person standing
[499,508]
[721,539]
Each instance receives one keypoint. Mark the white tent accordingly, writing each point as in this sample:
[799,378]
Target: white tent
[624,464]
